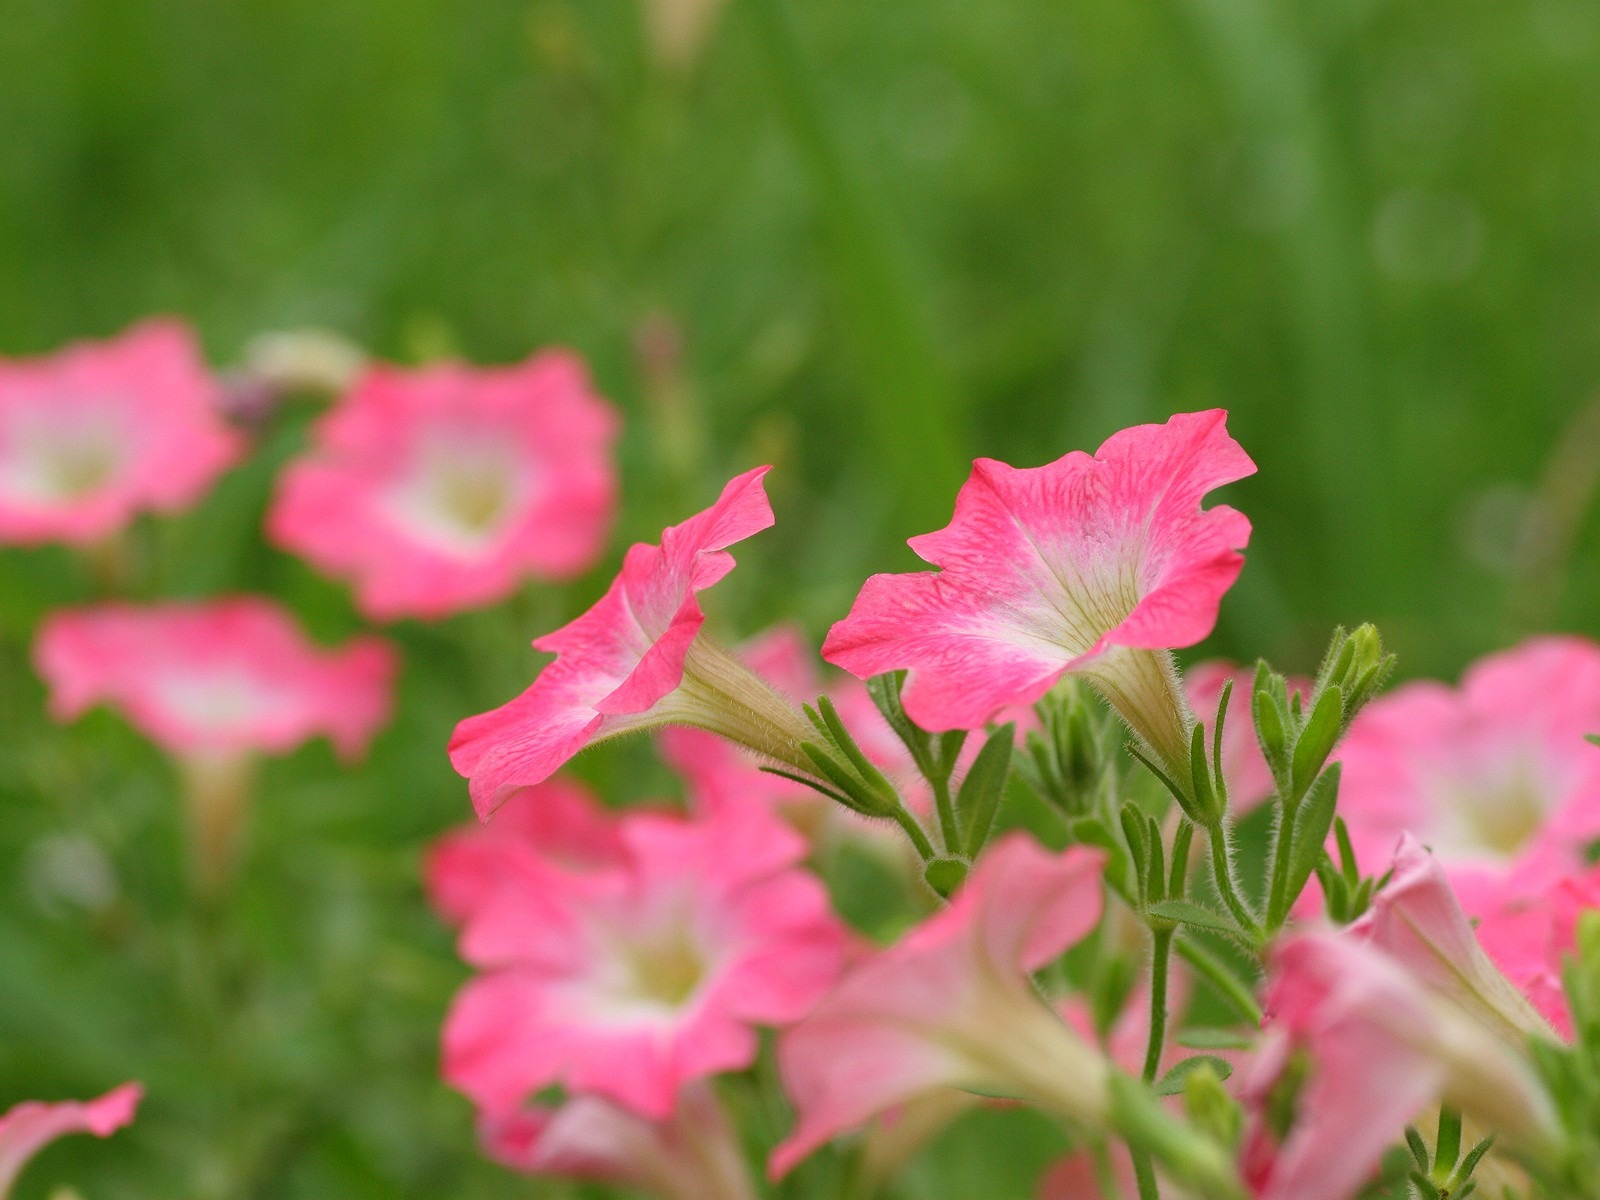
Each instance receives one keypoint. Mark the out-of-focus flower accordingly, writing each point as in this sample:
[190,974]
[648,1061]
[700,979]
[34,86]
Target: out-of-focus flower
[1243,766]
[214,684]
[444,488]
[1417,920]
[557,825]
[630,981]
[1494,777]
[1531,941]
[100,431]
[691,1154]
[1380,1047]
[1095,565]
[637,660]
[215,678]
[29,1127]
[1079,1177]
[951,1005]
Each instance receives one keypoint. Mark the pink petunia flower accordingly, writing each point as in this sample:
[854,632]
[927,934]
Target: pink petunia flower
[214,684]
[1093,565]
[632,980]
[1079,1176]
[555,825]
[638,660]
[691,1154]
[1416,919]
[1531,942]
[215,678]
[29,1127]
[951,1005]
[1381,1047]
[101,431]
[1494,777]
[443,488]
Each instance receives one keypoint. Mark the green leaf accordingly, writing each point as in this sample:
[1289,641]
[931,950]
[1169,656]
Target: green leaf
[1317,739]
[1310,835]
[1171,1084]
[1270,734]
[979,797]
[885,692]
[1187,912]
[1209,1037]
[870,775]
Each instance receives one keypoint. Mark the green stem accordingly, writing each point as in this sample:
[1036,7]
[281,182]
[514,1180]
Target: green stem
[1222,869]
[1144,1173]
[1227,984]
[914,831]
[1160,956]
[947,813]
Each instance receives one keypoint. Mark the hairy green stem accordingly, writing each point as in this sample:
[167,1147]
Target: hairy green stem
[947,813]
[1227,984]
[1160,956]
[1227,888]
[914,831]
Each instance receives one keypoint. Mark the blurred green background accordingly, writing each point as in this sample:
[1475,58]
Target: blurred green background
[864,241]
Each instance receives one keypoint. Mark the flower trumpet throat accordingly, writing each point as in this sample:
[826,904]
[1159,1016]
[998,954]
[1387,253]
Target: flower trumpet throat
[722,695]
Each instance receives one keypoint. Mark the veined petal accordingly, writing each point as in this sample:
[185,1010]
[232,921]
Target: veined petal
[1043,569]
[618,664]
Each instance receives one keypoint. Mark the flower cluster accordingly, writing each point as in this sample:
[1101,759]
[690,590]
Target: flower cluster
[432,491]
[1398,996]
[1422,991]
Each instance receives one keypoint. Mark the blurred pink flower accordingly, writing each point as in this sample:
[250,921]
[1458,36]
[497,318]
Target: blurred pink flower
[216,678]
[1416,919]
[631,980]
[443,488]
[1079,1177]
[100,431]
[951,1005]
[1494,777]
[1243,766]
[691,1154]
[637,660]
[29,1127]
[1382,1047]
[1094,565]
[1530,942]
[557,824]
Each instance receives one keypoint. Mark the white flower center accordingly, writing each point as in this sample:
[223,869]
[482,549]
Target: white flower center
[460,493]
[650,962]
[1493,812]
[56,457]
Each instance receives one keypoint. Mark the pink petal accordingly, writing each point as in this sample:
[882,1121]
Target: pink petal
[616,661]
[443,488]
[1044,568]
[219,676]
[29,1127]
